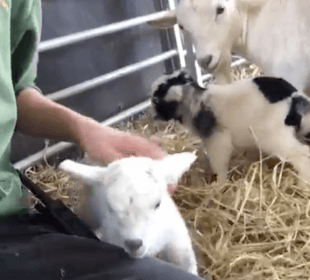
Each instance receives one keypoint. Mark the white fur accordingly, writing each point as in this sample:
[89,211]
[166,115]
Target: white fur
[123,202]
[274,34]
[244,119]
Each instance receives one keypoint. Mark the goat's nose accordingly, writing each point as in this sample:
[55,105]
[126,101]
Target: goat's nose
[205,62]
[133,244]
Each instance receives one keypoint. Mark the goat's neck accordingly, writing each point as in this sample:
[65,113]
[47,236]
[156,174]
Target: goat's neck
[248,17]
[192,103]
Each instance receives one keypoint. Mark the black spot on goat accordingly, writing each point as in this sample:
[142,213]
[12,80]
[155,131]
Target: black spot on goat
[274,89]
[204,122]
[298,106]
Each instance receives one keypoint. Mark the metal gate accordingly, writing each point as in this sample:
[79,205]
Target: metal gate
[127,54]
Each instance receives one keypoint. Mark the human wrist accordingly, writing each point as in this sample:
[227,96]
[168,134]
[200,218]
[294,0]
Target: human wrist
[82,126]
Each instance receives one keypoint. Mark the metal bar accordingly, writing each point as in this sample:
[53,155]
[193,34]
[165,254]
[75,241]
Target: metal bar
[190,58]
[61,146]
[86,85]
[100,31]
[239,62]
[199,73]
[178,37]
[165,37]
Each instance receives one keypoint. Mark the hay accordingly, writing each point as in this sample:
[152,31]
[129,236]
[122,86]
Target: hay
[241,72]
[256,226]
[251,228]
[57,184]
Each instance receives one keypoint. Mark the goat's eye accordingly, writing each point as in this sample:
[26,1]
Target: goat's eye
[157,205]
[181,27]
[220,10]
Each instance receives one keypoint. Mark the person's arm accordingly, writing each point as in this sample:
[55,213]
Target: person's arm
[39,116]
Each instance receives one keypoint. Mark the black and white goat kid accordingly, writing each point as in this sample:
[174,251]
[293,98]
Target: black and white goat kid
[229,116]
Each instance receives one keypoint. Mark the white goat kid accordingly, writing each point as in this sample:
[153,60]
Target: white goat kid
[223,116]
[130,206]
[274,34]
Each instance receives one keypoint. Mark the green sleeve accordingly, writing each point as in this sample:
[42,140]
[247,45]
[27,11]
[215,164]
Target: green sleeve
[25,37]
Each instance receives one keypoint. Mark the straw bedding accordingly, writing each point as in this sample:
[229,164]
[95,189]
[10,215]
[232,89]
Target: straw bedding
[256,226]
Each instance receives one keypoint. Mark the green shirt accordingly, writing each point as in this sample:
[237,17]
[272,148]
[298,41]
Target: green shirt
[20,27]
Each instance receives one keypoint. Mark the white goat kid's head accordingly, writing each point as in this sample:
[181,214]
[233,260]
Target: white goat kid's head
[130,194]
[215,27]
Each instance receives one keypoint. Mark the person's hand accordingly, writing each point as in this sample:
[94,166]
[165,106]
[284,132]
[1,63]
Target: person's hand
[105,144]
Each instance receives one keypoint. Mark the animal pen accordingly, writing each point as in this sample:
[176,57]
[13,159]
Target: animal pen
[101,60]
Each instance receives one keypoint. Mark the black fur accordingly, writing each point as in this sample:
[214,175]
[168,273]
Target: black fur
[274,89]
[204,122]
[168,110]
[298,106]
[162,90]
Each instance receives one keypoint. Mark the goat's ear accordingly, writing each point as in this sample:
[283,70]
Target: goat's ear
[168,21]
[84,172]
[174,166]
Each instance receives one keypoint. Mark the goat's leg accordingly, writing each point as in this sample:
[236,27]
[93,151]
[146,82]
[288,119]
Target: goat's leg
[301,162]
[286,146]
[219,149]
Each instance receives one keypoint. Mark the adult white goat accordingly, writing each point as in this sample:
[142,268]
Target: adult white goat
[130,206]
[223,116]
[274,34]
